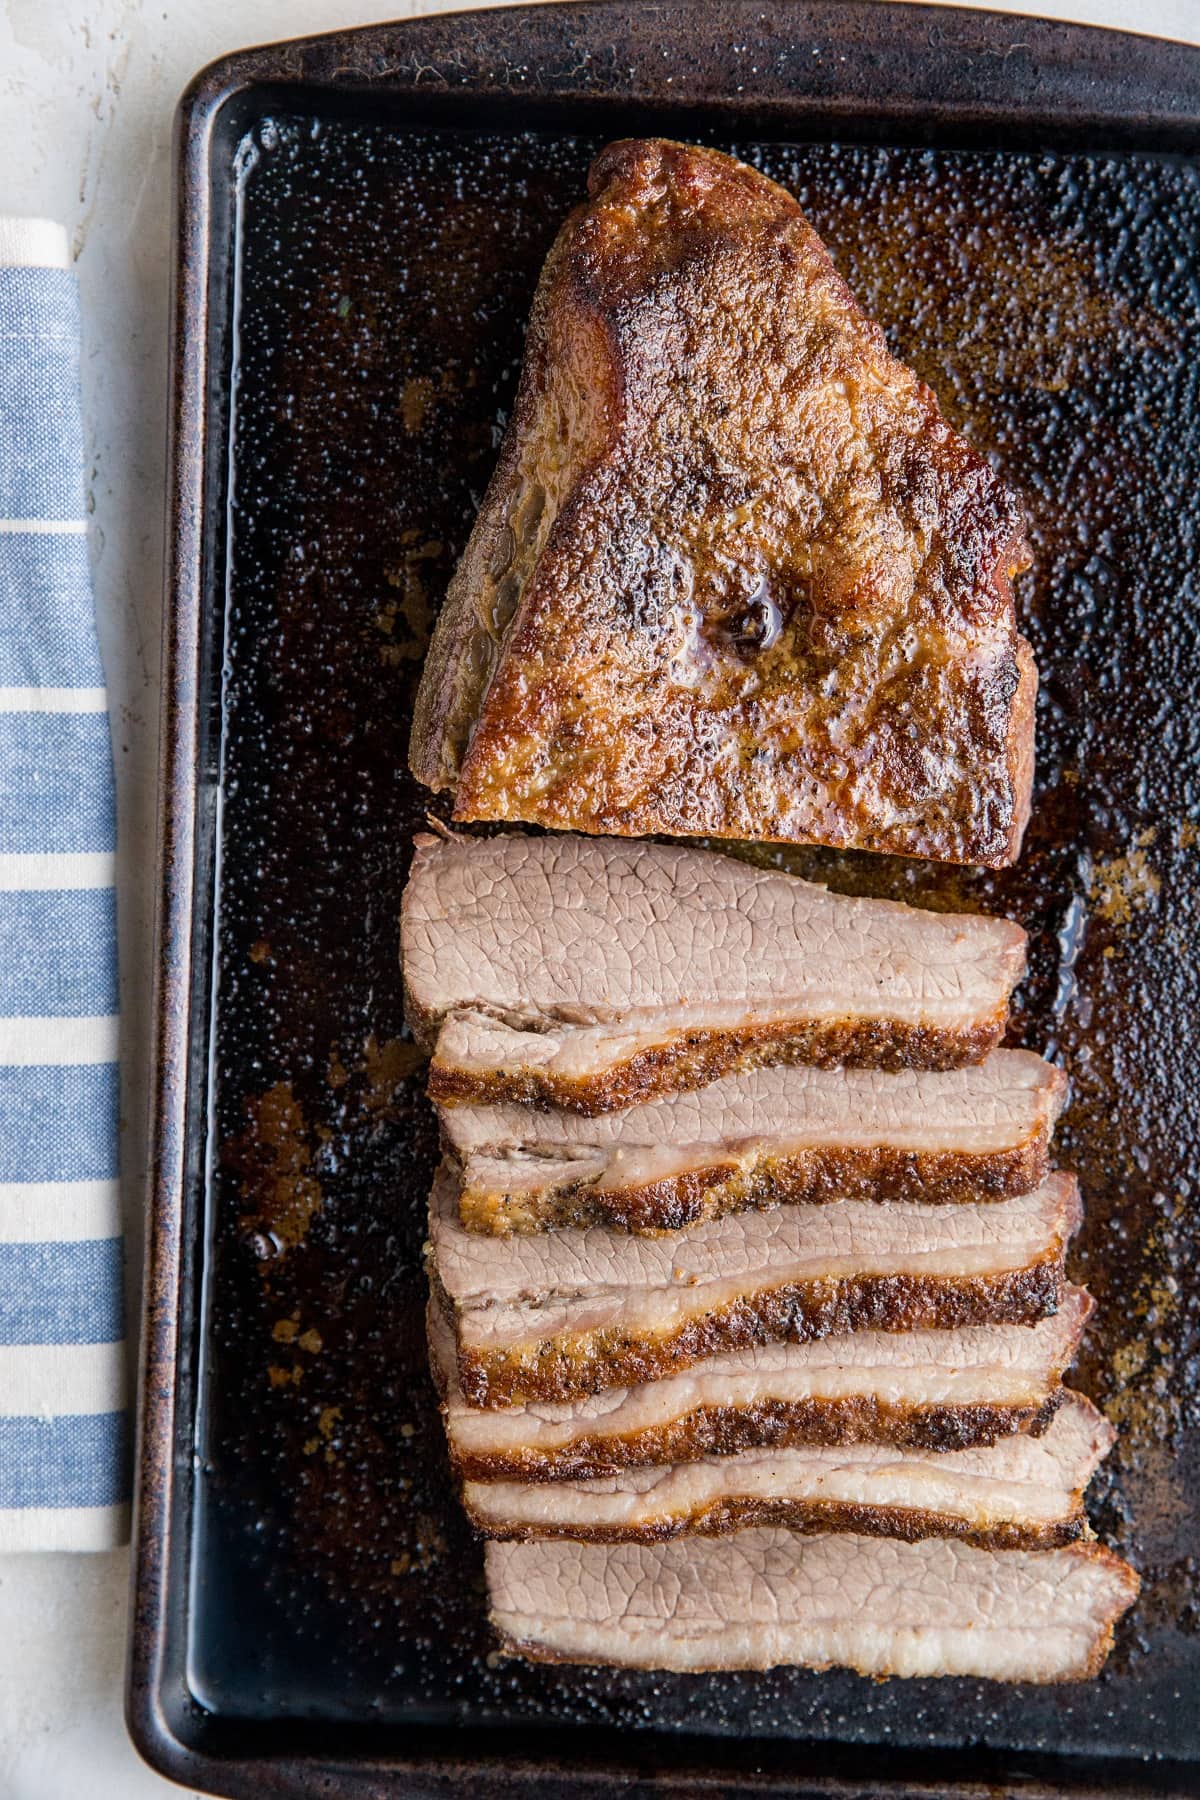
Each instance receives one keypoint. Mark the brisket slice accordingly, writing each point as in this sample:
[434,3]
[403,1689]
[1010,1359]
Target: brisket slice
[1022,1492]
[593,972]
[555,1315]
[767,1596]
[927,1390]
[735,574]
[758,1138]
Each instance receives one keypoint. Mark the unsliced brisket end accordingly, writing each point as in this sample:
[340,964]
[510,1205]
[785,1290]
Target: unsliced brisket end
[555,1315]
[930,1390]
[593,973]
[1022,1492]
[767,1596]
[784,1134]
[735,574]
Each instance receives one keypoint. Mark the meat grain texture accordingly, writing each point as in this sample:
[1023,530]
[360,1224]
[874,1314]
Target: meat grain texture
[743,1283]
[595,973]
[735,575]
[763,1138]
[933,1390]
[767,1595]
[557,1315]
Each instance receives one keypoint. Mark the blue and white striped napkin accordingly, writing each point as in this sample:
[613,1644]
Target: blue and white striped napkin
[64,1463]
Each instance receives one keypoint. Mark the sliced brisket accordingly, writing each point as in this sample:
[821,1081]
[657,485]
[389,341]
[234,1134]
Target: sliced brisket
[758,1138]
[556,1315]
[930,1390]
[1023,1492]
[595,972]
[766,1596]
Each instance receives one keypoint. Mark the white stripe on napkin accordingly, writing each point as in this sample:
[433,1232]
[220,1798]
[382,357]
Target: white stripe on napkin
[44,1380]
[53,700]
[44,527]
[52,871]
[40,1212]
[63,1527]
[25,1043]
[34,244]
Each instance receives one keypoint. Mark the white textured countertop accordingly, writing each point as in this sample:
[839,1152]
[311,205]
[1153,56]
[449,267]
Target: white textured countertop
[87,92]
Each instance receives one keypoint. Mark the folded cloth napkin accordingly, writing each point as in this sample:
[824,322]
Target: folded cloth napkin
[64,1461]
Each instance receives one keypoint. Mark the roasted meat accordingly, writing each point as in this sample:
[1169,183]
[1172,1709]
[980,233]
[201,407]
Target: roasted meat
[767,1595]
[735,575]
[760,1138]
[925,1390]
[560,1314]
[1021,1493]
[593,972]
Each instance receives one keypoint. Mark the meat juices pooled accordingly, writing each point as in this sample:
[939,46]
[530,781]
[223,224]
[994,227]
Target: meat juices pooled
[767,1596]
[925,1390]
[593,973]
[734,575]
[761,1138]
[557,1315]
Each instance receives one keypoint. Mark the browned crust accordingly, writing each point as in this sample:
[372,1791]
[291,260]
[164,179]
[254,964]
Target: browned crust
[809,1518]
[568,1368]
[423,1021]
[812,1176]
[769,1424]
[699,1056]
[773,1424]
[1086,1671]
[573,729]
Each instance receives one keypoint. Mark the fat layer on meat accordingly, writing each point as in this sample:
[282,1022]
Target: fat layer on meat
[936,1390]
[757,1138]
[593,972]
[553,1315]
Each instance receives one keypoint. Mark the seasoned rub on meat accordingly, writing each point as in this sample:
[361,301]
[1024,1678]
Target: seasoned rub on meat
[767,1136]
[1021,1493]
[767,1596]
[921,1390]
[735,575]
[596,972]
[556,1315]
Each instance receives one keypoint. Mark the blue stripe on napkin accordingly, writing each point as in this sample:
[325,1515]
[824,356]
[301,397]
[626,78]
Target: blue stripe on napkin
[76,1459]
[56,782]
[58,1122]
[64,1474]
[56,953]
[62,1293]
[47,621]
[41,468]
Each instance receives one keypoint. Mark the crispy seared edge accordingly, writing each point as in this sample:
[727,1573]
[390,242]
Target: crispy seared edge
[808,1177]
[767,1424]
[569,1368]
[1022,746]
[770,1424]
[809,1518]
[1084,1671]
[697,1057]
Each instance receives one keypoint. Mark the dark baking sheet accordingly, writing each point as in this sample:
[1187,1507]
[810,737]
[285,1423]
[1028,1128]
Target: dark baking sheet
[364,219]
